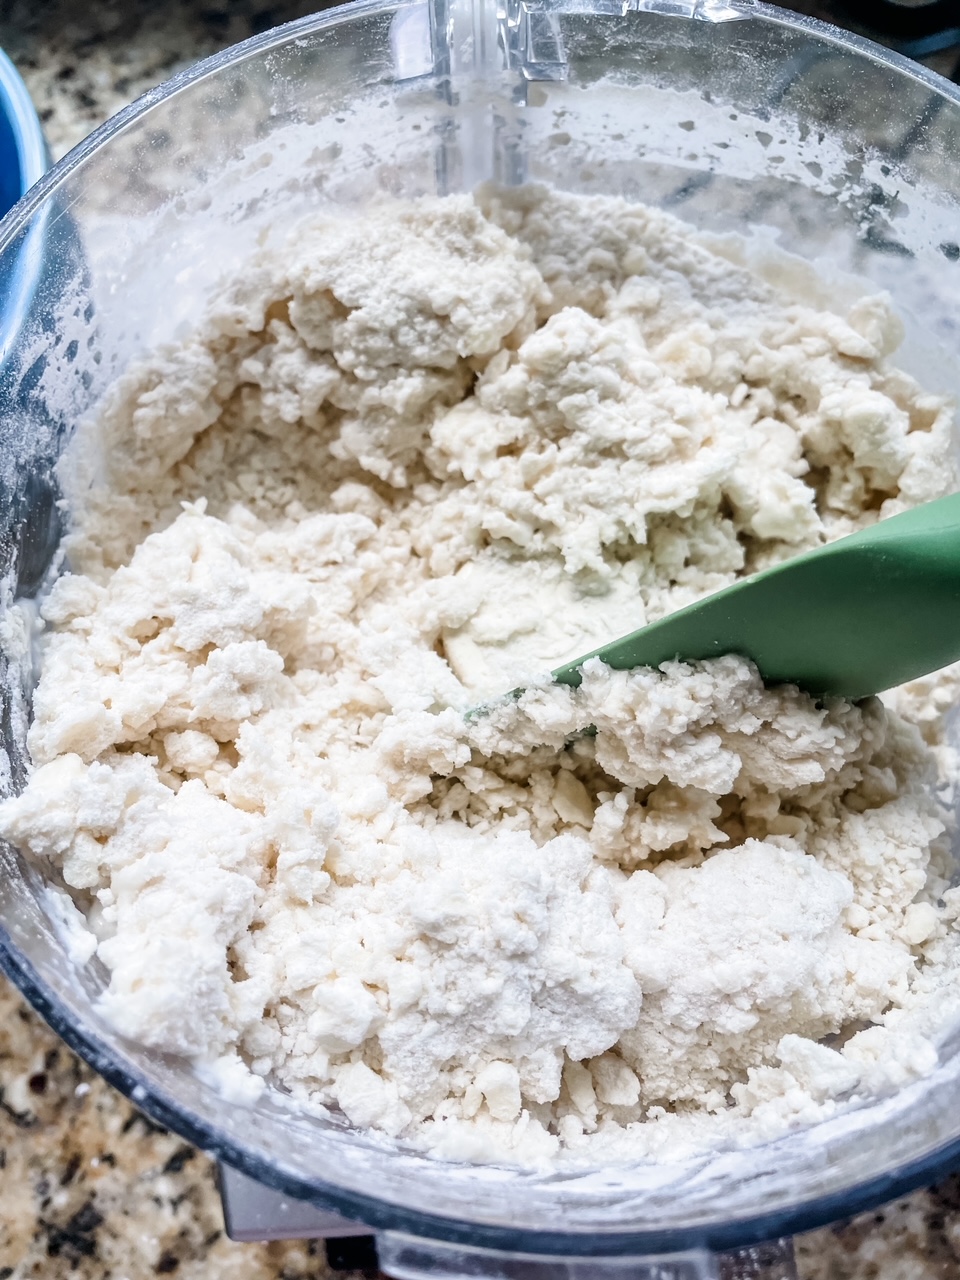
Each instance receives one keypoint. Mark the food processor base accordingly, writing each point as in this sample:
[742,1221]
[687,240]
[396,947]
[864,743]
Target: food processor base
[252,1212]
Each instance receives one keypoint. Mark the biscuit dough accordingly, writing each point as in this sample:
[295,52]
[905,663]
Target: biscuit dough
[408,462]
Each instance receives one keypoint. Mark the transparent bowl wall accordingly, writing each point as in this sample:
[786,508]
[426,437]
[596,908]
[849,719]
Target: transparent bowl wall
[843,154]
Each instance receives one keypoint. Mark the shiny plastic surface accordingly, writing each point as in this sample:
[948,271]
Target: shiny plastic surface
[733,115]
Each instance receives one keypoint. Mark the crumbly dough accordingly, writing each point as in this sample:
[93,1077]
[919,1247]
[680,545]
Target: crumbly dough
[407,462]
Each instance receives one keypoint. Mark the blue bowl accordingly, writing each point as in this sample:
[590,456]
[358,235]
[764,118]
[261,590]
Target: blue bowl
[29,504]
[24,158]
[23,151]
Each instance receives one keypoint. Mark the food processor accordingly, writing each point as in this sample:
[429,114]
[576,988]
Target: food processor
[781,139]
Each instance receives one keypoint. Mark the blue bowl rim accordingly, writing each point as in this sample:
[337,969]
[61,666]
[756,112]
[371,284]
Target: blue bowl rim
[33,159]
[17,105]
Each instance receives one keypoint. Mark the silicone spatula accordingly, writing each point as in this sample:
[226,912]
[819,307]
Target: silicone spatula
[852,618]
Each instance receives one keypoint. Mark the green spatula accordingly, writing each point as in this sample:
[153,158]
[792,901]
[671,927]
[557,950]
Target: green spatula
[852,618]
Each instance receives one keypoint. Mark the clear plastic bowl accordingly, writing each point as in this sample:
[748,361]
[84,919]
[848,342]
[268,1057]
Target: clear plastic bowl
[735,116]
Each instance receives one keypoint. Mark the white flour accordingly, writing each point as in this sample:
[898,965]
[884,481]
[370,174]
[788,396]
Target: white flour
[415,460]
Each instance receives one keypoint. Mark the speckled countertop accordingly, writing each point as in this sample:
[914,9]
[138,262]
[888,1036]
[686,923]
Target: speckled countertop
[89,1188]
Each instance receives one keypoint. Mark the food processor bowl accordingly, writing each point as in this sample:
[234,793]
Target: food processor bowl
[738,117]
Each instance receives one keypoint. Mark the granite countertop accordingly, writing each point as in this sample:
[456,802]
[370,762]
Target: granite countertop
[89,1188]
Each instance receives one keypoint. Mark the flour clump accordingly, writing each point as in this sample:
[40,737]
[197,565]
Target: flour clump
[405,463]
